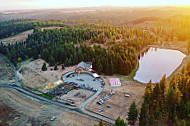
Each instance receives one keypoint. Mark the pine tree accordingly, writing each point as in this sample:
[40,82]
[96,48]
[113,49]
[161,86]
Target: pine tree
[101,123]
[119,122]
[143,119]
[172,99]
[163,90]
[55,68]
[107,69]
[164,84]
[183,70]
[99,66]
[8,54]
[156,92]
[133,113]
[183,109]
[37,29]
[182,123]
[63,66]
[51,61]
[112,68]
[188,47]
[148,93]
[156,111]
[44,68]
[19,60]
[188,67]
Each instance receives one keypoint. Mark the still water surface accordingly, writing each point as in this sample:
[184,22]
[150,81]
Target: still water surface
[156,62]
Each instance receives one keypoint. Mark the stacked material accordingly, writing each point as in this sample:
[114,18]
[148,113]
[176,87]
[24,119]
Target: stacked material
[114,82]
[51,85]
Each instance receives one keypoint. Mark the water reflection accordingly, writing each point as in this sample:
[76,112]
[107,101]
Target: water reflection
[155,62]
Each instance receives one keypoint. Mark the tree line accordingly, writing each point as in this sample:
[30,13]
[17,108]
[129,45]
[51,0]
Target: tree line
[67,46]
[167,102]
[13,27]
[164,103]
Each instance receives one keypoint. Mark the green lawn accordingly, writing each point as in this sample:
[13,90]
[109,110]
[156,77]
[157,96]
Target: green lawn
[46,96]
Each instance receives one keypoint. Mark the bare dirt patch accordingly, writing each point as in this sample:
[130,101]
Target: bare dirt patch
[32,75]
[20,110]
[22,36]
[119,103]
[17,38]
[6,113]
[176,45]
[77,96]
[51,28]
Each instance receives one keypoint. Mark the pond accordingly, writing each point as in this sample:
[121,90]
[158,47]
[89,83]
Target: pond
[156,62]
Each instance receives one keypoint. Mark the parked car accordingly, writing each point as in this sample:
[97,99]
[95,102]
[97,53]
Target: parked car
[100,102]
[101,109]
[53,118]
[127,95]
[108,106]
[95,90]
[112,93]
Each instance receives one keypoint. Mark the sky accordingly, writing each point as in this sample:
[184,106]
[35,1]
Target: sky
[42,4]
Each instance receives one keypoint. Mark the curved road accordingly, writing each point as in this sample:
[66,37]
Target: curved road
[80,109]
[84,111]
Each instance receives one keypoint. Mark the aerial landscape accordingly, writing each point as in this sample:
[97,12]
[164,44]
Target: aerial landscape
[94,63]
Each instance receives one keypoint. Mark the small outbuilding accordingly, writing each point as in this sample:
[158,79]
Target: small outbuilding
[114,82]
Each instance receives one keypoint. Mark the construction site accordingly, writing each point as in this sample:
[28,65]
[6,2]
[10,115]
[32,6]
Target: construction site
[78,86]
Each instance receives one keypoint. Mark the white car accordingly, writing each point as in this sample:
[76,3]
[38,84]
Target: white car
[53,118]
[127,95]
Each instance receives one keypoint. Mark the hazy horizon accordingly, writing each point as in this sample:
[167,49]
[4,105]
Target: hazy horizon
[48,4]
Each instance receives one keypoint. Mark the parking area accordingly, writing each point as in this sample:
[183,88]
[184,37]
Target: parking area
[85,80]
[76,88]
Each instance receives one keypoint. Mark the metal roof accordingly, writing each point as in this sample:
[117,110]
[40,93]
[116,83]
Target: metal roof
[84,64]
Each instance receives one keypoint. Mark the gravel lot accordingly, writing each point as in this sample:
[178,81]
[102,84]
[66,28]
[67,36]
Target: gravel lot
[119,103]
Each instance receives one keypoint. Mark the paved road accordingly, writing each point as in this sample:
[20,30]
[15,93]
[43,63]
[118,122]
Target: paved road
[84,104]
[106,119]
[80,109]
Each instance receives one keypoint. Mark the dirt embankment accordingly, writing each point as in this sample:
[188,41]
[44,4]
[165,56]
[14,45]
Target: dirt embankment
[34,77]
